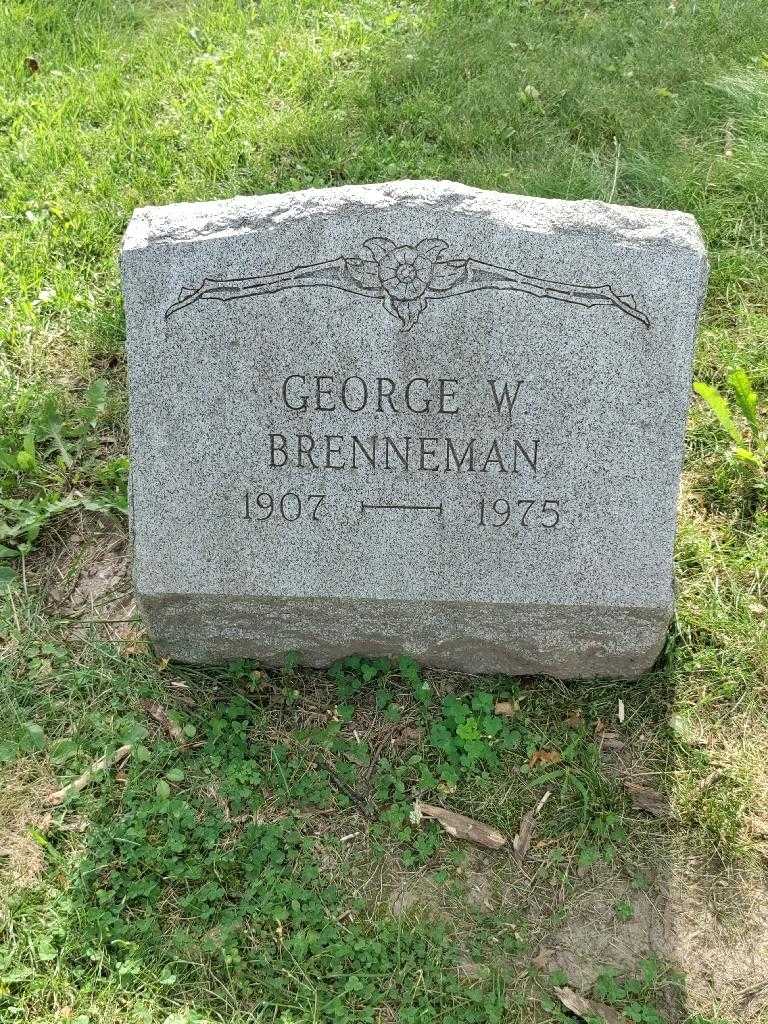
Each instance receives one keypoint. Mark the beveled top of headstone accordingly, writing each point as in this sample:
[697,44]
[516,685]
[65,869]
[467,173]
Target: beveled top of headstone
[414,392]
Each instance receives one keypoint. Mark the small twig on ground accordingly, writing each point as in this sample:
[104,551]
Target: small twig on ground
[710,779]
[108,761]
[97,622]
[460,826]
[588,1009]
[359,801]
[614,183]
[522,840]
[377,752]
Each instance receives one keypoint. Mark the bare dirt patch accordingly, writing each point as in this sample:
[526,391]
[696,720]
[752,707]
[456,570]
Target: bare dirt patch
[87,579]
[717,934]
[594,938]
[705,922]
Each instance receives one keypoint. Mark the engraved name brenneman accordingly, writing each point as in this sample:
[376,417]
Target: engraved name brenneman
[356,396]
[418,396]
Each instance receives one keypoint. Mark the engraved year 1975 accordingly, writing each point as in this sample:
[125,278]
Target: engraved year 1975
[526,512]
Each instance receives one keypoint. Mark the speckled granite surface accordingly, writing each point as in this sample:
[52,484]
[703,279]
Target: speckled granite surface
[413,416]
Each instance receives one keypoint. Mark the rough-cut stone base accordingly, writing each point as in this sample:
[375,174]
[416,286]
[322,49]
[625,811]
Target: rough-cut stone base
[570,642]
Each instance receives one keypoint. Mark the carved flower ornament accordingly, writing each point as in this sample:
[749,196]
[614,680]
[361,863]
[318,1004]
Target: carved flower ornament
[404,278]
[409,274]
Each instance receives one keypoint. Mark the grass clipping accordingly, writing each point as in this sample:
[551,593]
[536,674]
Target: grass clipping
[108,761]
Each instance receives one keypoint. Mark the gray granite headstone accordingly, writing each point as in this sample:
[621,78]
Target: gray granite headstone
[412,417]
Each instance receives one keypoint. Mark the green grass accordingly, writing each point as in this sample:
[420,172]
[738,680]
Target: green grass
[230,876]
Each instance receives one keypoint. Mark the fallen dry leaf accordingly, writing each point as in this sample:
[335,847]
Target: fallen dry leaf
[544,757]
[108,761]
[757,609]
[136,642]
[574,718]
[709,780]
[522,840]
[587,1009]
[611,741]
[164,720]
[606,739]
[645,799]
[469,970]
[683,730]
[507,708]
[461,827]
[31,64]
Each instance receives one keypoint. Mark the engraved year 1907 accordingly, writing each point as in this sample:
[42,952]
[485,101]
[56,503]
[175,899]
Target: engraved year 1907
[289,506]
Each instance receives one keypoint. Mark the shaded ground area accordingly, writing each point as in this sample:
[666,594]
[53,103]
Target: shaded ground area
[647,912]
